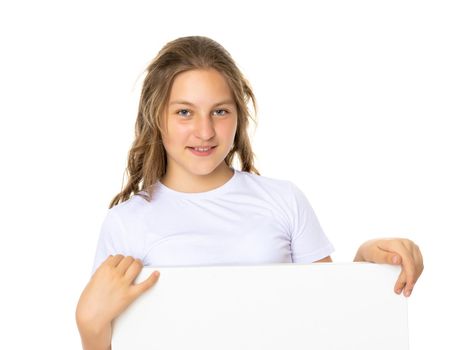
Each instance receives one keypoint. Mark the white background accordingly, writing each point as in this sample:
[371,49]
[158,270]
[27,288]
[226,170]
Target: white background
[361,103]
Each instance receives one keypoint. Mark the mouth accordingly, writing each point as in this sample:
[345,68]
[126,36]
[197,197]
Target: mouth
[202,148]
[202,151]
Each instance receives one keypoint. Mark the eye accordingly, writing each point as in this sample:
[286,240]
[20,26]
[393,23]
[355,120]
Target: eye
[220,112]
[183,112]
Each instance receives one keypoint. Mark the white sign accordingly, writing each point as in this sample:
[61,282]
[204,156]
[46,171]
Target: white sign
[280,306]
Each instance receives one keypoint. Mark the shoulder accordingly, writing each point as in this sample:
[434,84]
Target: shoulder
[284,189]
[132,207]
[264,180]
[266,184]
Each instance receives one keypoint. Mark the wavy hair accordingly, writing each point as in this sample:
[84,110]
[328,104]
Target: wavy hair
[147,159]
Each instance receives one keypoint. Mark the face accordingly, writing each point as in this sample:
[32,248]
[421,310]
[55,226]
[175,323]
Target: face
[201,112]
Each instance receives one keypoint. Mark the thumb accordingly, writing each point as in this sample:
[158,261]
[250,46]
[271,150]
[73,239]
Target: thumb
[382,256]
[147,283]
[394,259]
[387,254]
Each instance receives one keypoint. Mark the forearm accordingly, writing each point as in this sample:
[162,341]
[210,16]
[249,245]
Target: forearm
[95,338]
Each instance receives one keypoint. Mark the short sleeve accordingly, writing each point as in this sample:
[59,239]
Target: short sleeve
[109,239]
[308,241]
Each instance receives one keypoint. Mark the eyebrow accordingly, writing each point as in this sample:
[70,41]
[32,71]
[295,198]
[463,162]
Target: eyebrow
[180,102]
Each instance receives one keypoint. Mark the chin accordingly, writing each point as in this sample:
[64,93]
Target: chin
[202,171]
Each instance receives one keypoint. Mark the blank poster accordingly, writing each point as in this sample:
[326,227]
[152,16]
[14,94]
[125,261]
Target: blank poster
[272,307]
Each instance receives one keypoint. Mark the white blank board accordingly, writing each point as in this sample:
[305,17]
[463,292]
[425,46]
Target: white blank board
[278,306]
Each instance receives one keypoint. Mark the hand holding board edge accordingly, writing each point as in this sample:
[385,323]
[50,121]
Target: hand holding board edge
[271,306]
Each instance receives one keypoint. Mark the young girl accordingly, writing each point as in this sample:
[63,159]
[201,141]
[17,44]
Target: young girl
[184,203]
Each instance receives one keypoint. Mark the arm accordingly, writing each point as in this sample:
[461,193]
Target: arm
[107,295]
[326,259]
[95,339]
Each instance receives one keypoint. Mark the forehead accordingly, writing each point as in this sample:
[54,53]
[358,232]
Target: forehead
[200,86]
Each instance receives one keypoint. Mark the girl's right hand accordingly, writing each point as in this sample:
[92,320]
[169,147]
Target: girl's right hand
[111,290]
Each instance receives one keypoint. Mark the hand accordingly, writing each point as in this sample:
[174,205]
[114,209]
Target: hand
[395,251]
[111,290]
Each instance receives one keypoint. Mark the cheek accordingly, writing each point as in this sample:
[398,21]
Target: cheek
[228,128]
[233,129]
[178,133]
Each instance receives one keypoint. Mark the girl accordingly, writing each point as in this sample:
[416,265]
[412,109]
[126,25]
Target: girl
[184,203]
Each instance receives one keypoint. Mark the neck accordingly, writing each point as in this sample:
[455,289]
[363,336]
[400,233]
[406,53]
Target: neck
[191,183]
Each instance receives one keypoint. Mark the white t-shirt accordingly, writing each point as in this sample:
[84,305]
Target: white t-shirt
[249,220]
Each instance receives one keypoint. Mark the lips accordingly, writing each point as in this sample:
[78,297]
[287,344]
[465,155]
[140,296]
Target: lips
[203,147]
[208,152]
[208,147]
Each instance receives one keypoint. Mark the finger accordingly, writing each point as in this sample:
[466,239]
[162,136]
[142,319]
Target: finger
[113,260]
[418,260]
[387,257]
[133,270]
[412,277]
[387,254]
[124,264]
[399,248]
[409,266]
[407,287]
[418,268]
[140,288]
[400,283]
[409,269]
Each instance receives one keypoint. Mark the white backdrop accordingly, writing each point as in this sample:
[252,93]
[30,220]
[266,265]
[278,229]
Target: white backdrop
[362,104]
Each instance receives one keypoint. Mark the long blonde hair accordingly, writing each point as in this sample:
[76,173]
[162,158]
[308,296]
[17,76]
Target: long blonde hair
[147,160]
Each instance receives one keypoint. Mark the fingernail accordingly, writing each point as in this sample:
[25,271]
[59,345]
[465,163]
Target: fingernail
[394,259]
[407,293]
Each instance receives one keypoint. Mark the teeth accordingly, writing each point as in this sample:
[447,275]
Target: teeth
[202,149]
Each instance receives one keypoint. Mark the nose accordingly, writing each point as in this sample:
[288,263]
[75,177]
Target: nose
[204,128]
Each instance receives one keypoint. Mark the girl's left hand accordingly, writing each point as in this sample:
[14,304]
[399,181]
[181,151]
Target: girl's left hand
[395,251]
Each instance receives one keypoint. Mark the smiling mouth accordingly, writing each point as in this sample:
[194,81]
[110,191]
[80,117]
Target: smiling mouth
[202,151]
[203,148]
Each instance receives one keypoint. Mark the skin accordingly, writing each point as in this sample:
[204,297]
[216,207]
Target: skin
[393,251]
[200,120]
[201,111]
